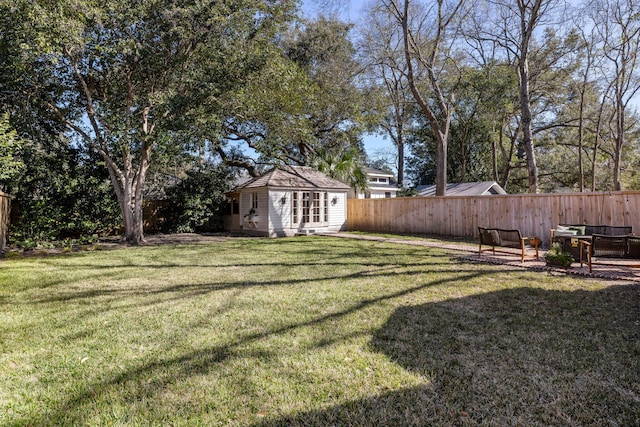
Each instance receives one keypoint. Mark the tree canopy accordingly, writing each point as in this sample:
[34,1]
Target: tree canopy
[127,77]
[133,98]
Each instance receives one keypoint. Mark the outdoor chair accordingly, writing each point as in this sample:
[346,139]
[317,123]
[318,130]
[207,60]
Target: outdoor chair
[611,250]
[500,238]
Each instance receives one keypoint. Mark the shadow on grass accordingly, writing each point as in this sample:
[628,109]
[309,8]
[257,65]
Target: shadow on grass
[385,265]
[513,357]
[130,385]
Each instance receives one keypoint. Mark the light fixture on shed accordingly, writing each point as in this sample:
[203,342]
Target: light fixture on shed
[283,199]
[334,200]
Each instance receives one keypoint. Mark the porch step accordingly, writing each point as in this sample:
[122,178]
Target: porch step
[305,232]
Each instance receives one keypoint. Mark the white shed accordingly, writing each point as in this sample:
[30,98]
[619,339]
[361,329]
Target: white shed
[286,202]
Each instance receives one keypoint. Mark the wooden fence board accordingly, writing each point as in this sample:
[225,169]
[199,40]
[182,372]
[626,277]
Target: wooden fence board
[533,214]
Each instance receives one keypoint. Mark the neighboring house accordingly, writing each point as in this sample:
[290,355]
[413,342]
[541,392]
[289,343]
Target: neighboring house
[381,185]
[298,200]
[485,188]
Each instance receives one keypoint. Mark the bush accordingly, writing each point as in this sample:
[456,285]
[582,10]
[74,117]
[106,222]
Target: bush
[556,257]
[198,201]
[64,193]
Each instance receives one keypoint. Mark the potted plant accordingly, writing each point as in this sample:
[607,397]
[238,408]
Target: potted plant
[555,257]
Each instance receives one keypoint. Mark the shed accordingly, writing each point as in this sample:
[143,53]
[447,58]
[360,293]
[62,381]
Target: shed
[286,202]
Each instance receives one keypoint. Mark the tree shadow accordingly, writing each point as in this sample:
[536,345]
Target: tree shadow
[171,369]
[514,357]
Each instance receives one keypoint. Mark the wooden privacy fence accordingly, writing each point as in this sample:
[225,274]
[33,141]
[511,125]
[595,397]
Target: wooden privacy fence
[532,214]
[152,214]
[5,211]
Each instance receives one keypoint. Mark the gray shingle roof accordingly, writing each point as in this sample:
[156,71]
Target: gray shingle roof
[295,177]
[465,189]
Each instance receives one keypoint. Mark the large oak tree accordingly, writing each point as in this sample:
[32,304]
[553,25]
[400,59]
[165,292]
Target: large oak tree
[126,77]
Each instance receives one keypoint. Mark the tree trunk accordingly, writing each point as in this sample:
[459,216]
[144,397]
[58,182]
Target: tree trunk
[440,128]
[128,185]
[441,165]
[400,146]
[494,157]
[580,142]
[619,142]
[527,138]
[619,138]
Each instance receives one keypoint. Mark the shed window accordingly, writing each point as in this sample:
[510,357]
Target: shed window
[316,207]
[306,205]
[254,201]
[294,206]
[326,207]
[310,207]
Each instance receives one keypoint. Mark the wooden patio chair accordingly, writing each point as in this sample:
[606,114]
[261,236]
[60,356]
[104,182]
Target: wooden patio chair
[500,238]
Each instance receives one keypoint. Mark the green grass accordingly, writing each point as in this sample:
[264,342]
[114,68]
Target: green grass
[310,331]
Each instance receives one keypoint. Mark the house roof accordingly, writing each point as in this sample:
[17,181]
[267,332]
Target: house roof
[378,172]
[483,188]
[294,177]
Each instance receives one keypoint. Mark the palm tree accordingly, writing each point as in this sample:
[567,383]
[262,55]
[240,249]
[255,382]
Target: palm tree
[346,165]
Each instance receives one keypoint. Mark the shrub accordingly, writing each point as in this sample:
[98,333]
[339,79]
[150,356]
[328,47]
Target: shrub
[555,256]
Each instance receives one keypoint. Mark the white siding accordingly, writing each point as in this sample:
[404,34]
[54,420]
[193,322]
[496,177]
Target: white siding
[263,210]
[276,216]
[279,211]
[337,212]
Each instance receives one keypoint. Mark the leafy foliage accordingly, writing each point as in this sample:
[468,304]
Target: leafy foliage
[304,104]
[346,165]
[10,163]
[63,193]
[129,78]
[555,256]
[198,202]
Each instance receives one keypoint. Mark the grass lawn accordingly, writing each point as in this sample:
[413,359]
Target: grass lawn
[313,331]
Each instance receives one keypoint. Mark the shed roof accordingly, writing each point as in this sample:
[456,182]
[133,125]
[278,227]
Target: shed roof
[465,189]
[294,177]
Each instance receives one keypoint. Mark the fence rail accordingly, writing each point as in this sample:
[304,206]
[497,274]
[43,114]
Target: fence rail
[5,212]
[532,214]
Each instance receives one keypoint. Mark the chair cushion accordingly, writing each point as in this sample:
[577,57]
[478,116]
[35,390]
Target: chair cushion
[566,233]
[510,238]
[490,237]
[579,229]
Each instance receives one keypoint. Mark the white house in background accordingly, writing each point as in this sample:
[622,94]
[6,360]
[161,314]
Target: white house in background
[380,186]
[286,202]
[485,188]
